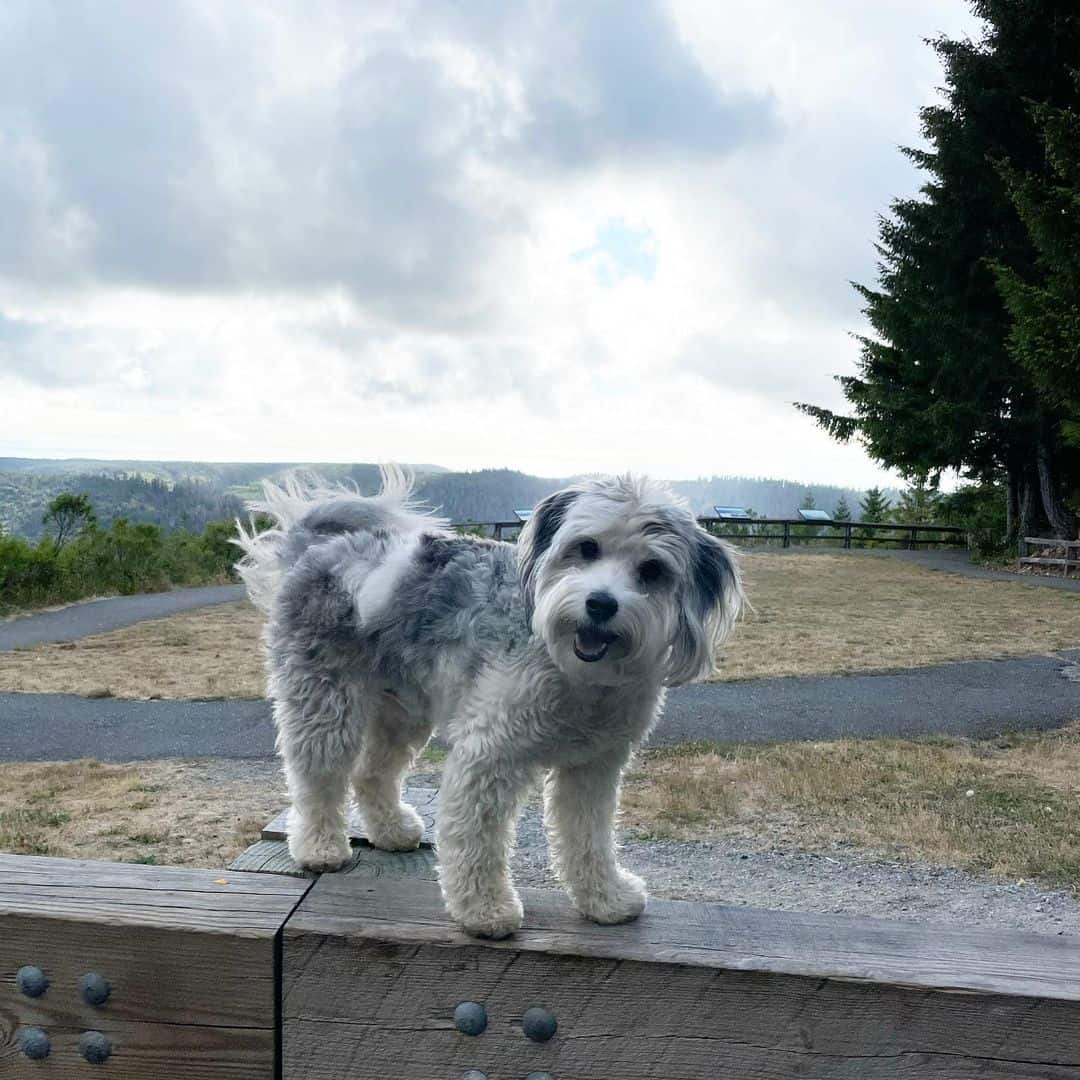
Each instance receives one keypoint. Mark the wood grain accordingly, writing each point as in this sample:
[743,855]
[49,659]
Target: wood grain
[272,857]
[360,1008]
[372,971]
[189,955]
[718,936]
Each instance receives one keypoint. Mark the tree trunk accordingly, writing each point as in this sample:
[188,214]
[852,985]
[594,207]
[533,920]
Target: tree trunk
[1028,505]
[1012,506]
[1062,520]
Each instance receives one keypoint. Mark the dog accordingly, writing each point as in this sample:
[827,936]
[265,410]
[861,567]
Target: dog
[549,657]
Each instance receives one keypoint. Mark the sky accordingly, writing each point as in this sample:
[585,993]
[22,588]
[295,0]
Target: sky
[563,236]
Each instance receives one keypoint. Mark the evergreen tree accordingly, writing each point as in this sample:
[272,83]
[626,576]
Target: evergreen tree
[1045,307]
[918,503]
[808,501]
[842,512]
[874,507]
[938,384]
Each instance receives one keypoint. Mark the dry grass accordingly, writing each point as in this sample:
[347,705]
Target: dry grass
[1007,806]
[1010,807]
[160,812]
[837,614]
[814,614]
[207,653]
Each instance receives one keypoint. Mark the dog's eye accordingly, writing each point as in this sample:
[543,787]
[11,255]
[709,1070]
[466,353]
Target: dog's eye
[590,550]
[650,571]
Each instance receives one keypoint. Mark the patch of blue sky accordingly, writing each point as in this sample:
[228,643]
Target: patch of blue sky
[620,251]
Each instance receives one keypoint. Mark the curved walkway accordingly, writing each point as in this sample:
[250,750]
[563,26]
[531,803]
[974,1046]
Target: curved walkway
[97,616]
[975,698]
[979,699]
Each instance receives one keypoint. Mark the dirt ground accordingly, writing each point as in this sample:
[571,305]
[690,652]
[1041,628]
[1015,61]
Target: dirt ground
[812,615]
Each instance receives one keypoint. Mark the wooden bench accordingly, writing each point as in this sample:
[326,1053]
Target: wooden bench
[359,975]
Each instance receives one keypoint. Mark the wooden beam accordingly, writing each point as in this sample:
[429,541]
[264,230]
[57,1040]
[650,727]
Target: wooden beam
[372,975]
[188,956]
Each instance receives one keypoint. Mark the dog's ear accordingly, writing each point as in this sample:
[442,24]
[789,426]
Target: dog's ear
[711,600]
[535,539]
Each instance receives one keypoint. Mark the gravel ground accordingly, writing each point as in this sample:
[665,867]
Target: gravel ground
[842,881]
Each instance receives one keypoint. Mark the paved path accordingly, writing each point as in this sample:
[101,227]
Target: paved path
[97,616]
[980,698]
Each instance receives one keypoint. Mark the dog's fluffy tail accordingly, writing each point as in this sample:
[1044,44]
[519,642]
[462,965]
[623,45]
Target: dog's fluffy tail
[306,511]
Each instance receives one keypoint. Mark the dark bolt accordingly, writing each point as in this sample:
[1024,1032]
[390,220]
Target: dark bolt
[34,1043]
[539,1024]
[601,606]
[95,1047]
[31,981]
[95,990]
[470,1018]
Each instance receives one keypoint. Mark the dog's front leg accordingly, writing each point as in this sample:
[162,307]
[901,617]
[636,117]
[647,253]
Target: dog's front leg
[479,802]
[579,810]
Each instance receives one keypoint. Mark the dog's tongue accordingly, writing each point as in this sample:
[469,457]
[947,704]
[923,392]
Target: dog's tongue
[590,644]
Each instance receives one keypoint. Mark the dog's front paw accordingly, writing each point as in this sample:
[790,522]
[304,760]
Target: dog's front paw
[621,900]
[496,919]
[400,830]
[320,852]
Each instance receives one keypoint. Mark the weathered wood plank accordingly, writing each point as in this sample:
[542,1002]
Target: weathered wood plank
[371,976]
[144,1051]
[360,1008]
[272,857]
[718,936]
[189,956]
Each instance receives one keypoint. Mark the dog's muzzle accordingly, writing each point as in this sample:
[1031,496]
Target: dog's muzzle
[591,643]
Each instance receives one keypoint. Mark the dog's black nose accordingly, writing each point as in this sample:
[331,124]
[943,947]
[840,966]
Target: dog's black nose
[601,606]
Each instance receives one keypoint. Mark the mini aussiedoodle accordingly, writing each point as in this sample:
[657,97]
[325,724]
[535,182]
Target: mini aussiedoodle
[548,657]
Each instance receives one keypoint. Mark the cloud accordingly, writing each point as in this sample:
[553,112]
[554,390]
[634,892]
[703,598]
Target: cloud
[187,148]
[586,234]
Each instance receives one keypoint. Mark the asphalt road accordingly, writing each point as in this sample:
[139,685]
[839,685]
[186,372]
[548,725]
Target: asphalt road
[97,616]
[979,699]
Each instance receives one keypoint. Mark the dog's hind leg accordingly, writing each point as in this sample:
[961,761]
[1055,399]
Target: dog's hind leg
[318,740]
[392,739]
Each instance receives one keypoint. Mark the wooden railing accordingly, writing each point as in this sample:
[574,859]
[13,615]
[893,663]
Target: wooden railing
[1071,548]
[789,531]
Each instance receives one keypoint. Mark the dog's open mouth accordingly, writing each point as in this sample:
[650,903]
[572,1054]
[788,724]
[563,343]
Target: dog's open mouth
[591,643]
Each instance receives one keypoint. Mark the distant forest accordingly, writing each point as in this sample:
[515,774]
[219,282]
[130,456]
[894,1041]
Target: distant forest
[190,495]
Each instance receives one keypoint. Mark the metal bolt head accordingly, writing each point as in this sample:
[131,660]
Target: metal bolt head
[95,1047]
[539,1024]
[31,981]
[34,1043]
[470,1018]
[539,1076]
[474,1074]
[94,988]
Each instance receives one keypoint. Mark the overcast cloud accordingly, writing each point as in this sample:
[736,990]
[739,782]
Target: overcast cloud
[556,236]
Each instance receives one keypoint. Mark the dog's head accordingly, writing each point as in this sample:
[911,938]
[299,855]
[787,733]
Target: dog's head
[621,583]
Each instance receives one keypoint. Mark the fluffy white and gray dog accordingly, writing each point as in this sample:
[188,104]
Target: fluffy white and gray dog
[549,658]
